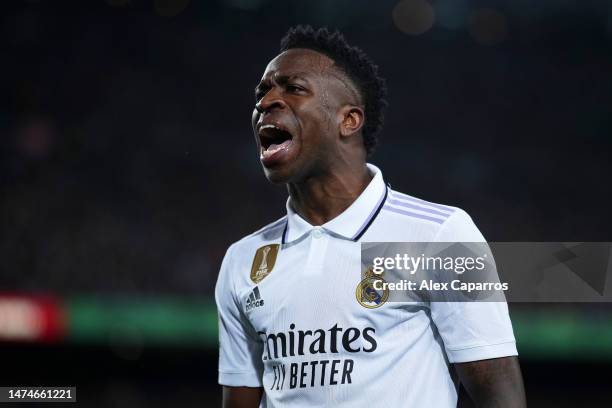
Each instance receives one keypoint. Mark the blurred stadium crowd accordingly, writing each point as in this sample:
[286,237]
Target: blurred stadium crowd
[127,161]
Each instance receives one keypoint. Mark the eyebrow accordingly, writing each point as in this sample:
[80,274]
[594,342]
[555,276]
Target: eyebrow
[283,79]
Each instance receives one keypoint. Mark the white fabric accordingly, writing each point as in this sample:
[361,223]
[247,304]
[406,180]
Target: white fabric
[396,355]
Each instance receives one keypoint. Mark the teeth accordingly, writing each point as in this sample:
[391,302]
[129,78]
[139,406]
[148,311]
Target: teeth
[268,127]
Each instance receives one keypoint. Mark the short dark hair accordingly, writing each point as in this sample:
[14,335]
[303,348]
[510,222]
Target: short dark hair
[358,67]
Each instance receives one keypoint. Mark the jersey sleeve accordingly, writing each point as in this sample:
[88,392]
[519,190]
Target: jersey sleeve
[471,331]
[240,349]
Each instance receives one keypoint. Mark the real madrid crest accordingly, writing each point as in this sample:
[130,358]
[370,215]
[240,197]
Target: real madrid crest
[264,261]
[367,295]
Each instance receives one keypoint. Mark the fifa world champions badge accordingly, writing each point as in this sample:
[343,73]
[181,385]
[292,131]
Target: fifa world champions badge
[264,261]
[367,295]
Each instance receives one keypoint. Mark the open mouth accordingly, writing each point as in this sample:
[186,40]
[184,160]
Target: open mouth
[273,140]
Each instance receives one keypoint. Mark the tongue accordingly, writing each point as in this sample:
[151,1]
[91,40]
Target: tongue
[273,148]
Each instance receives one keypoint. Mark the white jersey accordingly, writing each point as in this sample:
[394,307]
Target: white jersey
[289,320]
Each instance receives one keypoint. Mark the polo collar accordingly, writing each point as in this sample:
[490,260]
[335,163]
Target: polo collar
[353,222]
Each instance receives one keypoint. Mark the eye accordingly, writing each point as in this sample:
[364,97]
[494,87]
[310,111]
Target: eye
[294,88]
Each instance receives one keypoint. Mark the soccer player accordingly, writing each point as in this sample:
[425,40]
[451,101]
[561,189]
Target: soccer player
[292,332]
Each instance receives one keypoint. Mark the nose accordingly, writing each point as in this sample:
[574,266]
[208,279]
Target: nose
[271,100]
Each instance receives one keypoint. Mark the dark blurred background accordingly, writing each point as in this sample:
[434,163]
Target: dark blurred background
[127,167]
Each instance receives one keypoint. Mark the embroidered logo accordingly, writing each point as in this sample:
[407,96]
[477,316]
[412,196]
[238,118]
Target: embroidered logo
[367,295]
[254,300]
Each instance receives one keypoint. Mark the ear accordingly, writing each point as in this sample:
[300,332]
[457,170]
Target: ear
[352,119]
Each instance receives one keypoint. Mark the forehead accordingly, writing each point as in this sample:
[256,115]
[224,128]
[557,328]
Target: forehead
[299,61]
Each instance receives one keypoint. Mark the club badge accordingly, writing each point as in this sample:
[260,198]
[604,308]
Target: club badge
[367,295]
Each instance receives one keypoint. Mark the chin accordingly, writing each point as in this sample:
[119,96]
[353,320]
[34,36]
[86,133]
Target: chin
[288,172]
[277,175]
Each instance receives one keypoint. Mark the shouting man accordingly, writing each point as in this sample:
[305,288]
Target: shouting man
[292,332]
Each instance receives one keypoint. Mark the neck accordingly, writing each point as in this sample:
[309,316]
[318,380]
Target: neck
[321,198]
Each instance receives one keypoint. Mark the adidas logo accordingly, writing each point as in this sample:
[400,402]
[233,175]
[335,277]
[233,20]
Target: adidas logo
[254,300]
